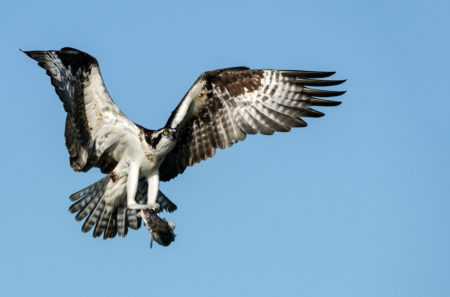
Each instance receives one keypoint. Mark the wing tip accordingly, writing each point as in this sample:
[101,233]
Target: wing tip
[339,81]
[322,93]
[28,53]
[80,56]
[307,73]
[339,93]
[323,102]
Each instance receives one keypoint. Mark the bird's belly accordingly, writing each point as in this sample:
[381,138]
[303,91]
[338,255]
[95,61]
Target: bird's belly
[148,163]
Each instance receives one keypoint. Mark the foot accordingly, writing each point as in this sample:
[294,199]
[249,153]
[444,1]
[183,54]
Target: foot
[154,206]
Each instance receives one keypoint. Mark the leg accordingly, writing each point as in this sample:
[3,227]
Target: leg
[132,183]
[153,187]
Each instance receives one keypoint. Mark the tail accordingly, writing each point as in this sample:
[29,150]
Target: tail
[112,217]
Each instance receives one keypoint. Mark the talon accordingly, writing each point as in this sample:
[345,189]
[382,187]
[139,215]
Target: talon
[137,206]
[156,207]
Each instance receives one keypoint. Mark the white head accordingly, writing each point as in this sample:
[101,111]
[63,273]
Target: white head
[162,141]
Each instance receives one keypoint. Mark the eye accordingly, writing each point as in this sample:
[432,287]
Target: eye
[165,132]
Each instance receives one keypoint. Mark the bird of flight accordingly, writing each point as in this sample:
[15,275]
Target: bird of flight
[220,109]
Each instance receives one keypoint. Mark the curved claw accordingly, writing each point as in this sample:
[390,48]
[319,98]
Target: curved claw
[154,206]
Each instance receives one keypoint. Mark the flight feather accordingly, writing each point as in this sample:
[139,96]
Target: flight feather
[225,105]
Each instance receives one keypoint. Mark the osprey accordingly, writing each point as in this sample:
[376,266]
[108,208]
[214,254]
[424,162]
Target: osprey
[220,109]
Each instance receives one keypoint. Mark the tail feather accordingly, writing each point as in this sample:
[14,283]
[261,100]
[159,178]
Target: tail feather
[111,217]
[94,216]
[121,221]
[111,228]
[87,198]
[81,193]
[102,221]
[89,207]
[80,204]
[132,220]
[98,230]
[96,186]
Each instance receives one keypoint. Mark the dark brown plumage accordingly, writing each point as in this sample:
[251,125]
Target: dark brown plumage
[227,104]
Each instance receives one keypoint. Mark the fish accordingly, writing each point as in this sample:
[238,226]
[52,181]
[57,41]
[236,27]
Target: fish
[160,229]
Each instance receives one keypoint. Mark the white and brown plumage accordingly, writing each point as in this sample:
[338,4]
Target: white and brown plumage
[220,109]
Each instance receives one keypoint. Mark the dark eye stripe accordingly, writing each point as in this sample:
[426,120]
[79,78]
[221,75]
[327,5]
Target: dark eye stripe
[154,141]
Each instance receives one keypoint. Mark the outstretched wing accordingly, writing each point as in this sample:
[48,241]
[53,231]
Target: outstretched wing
[94,124]
[224,105]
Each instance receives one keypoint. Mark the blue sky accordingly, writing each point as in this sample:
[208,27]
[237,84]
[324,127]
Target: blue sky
[356,204]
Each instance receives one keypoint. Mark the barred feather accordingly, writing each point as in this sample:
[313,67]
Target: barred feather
[122,229]
[102,221]
[90,206]
[93,216]
[111,217]
[132,219]
[226,104]
[111,227]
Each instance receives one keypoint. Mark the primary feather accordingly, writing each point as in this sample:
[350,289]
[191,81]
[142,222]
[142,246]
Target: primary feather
[225,105]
